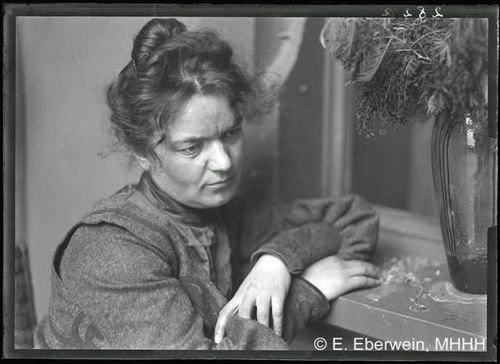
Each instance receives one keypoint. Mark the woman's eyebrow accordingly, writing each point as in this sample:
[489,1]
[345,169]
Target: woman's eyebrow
[198,139]
[189,140]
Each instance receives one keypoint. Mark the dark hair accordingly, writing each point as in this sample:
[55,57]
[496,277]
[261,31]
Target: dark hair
[168,66]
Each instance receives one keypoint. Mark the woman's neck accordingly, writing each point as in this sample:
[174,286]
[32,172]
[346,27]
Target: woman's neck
[164,201]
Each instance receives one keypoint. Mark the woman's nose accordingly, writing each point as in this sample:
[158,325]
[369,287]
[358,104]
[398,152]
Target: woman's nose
[220,159]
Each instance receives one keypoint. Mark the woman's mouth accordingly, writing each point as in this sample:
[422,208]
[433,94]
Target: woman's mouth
[221,183]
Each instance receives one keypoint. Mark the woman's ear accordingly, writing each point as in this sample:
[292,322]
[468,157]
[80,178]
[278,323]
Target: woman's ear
[144,162]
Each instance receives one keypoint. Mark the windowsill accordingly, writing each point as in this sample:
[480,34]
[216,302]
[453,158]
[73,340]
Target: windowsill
[389,311]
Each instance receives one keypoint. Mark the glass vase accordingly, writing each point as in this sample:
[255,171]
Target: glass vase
[464,168]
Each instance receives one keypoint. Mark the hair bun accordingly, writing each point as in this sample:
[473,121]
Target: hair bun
[153,34]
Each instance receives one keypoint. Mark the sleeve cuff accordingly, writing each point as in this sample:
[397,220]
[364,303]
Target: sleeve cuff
[291,264]
[305,301]
[302,246]
[323,305]
[304,305]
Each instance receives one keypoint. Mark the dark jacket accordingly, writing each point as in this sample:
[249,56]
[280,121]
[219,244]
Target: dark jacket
[130,276]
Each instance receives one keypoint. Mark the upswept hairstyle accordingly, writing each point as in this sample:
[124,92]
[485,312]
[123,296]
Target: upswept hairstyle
[169,65]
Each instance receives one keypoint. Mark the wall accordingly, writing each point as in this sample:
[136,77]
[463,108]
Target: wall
[277,45]
[300,120]
[63,66]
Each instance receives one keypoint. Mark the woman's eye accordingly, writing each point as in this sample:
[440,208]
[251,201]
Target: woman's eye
[192,149]
[233,133]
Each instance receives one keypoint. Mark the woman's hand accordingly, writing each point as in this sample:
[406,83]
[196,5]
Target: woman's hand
[265,287]
[334,276]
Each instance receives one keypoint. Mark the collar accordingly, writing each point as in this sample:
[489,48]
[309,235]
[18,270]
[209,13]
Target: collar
[182,213]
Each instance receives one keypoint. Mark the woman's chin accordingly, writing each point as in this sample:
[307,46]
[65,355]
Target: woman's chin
[220,199]
[216,196]
[212,198]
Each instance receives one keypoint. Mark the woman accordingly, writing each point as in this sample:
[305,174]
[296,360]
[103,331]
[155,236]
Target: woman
[154,265]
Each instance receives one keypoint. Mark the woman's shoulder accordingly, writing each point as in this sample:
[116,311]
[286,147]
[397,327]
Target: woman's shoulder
[127,210]
[109,253]
[130,209]
[115,200]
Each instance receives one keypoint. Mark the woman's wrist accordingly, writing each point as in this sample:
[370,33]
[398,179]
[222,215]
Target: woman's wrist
[318,279]
[309,278]
[271,260]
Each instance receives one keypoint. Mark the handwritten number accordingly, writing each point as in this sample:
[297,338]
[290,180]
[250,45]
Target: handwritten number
[388,12]
[438,15]
[421,15]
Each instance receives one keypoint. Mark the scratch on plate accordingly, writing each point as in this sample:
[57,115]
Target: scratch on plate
[70,139]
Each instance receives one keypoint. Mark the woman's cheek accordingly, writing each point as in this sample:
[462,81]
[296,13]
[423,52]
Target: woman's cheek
[183,172]
[189,172]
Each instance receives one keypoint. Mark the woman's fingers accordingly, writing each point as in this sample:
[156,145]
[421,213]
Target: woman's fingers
[357,282]
[263,310]
[277,311]
[263,290]
[220,327]
[360,268]
[246,306]
[264,305]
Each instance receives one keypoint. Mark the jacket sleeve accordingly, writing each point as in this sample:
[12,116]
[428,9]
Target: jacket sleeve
[306,230]
[132,298]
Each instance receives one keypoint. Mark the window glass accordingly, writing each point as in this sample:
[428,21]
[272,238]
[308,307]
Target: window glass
[394,168]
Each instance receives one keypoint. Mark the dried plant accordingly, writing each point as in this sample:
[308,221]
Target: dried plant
[403,65]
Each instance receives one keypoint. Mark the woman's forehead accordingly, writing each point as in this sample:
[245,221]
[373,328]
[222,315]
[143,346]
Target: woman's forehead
[202,116]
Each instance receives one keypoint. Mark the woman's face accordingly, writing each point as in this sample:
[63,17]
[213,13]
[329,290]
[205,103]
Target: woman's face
[200,161]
